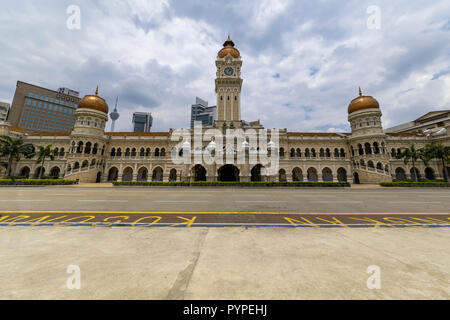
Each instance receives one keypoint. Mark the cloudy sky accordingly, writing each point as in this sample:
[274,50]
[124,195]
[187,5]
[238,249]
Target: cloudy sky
[303,60]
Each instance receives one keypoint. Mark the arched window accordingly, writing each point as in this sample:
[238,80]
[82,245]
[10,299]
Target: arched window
[313,153]
[360,149]
[85,164]
[62,152]
[113,152]
[281,152]
[322,153]
[376,148]
[127,152]
[95,150]
[307,153]
[142,153]
[393,153]
[148,152]
[87,149]
[133,152]
[336,153]
[157,152]
[370,164]
[292,154]
[328,153]
[343,154]
[299,153]
[163,152]
[379,166]
[368,148]
[80,147]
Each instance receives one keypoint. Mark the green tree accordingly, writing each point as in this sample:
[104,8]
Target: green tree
[13,150]
[413,155]
[43,154]
[440,152]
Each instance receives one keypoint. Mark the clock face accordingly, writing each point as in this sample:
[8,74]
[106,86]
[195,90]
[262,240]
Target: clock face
[229,71]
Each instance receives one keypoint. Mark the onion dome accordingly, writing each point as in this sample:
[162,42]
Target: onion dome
[228,48]
[363,103]
[94,102]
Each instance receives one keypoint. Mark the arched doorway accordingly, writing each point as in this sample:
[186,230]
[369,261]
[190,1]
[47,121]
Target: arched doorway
[282,176]
[312,175]
[199,173]
[157,175]
[25,172]
[127,174]
[429,174]
[229,173]
[256,173]
[342,175]
[38,174]
[297,175]
[142,174]
[327,175]
[99,177]
[356,178]
[113,174]
[400,174]
[54,172]
[173,175]
[415,174]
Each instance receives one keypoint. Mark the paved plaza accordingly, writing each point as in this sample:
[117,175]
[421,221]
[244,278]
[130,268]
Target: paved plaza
[304,246]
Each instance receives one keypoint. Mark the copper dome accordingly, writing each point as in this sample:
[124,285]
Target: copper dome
[363,103]
[94,102]
[228,48]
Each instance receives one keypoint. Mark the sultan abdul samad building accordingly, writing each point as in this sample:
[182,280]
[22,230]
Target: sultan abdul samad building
[365,155]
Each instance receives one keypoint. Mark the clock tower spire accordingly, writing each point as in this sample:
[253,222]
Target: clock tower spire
[229,85]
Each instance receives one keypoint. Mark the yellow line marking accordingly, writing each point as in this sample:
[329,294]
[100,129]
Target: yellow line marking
[230,212]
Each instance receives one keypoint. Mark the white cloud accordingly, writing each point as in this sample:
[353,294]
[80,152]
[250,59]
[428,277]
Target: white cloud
[158,55]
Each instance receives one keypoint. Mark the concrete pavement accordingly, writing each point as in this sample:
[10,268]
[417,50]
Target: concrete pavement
[237,263]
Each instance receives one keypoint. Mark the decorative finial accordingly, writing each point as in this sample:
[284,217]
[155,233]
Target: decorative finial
[229,39]
[360,92]
[96,91]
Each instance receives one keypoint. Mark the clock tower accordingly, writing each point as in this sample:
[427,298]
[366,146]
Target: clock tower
[228,86]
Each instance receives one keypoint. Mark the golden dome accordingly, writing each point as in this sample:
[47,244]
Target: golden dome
[93,102]
[362,103]
[228,48]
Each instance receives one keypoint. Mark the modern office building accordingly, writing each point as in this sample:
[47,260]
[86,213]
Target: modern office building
[142,122]
[4,109]
[202,113]
[38,109]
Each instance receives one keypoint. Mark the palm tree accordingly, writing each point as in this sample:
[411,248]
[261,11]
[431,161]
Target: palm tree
[412,154]
[14,149]
[43,154]
[440,152]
